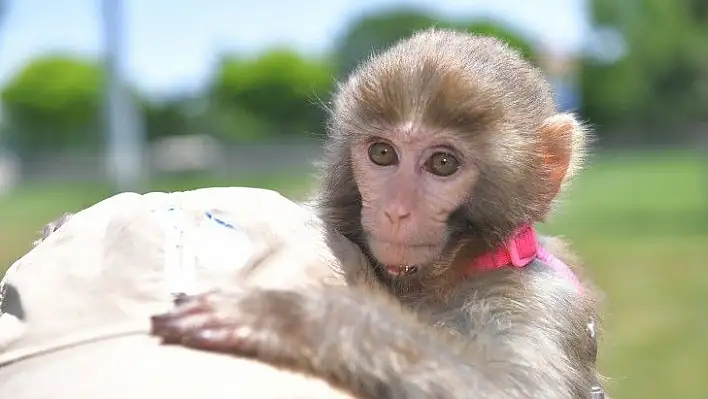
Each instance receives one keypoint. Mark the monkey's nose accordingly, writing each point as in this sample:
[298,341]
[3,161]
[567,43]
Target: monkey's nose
[395,214]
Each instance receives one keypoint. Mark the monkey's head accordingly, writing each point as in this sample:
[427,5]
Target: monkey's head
[443,145]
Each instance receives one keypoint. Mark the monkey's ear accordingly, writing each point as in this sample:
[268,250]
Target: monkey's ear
[562,146]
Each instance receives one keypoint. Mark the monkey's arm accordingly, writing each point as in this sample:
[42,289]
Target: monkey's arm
[538,317]
[362,342]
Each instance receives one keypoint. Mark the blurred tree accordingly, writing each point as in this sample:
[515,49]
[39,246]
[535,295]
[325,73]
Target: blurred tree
[374,32]
[3,126]
[166,118]
[53,103]
[503,31]
[185,115]
[231,122]
[278,91]
[662,80]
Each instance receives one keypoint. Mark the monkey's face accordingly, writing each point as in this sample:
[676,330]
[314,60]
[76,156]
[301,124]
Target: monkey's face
[410,182]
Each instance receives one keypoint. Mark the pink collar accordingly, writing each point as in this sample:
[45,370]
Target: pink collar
[519,251]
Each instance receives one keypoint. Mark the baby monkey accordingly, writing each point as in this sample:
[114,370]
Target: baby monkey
[442,152]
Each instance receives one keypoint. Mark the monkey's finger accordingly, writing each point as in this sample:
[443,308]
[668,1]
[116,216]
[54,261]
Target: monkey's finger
[219,339]
[172,328]
[161,320]
[192,315]
[203,331]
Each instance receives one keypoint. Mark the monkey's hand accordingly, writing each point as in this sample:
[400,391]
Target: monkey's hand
[53,226]
[336,333]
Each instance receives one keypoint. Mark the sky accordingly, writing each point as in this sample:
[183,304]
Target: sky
[171,45]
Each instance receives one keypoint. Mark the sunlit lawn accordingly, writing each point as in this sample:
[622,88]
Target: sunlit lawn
[640,222]
[642,225]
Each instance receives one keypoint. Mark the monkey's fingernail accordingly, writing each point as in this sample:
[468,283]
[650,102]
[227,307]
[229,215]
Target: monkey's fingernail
[166,328]
[168,335]
[171,330]
[157,323]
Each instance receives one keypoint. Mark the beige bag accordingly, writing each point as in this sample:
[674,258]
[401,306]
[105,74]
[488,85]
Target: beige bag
[76,307]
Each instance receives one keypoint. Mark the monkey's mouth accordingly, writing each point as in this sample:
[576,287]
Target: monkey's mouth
[401,260]
[399,270]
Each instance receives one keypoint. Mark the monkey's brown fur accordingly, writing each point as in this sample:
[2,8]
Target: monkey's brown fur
[507,333]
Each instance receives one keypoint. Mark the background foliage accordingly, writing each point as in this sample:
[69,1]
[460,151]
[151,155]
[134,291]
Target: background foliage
[661,80]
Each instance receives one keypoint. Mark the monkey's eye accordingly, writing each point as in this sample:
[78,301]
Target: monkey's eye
[442,164]
[382,154]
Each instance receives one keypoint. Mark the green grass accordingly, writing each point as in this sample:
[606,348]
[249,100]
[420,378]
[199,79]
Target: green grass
[641,224]
[639,221]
